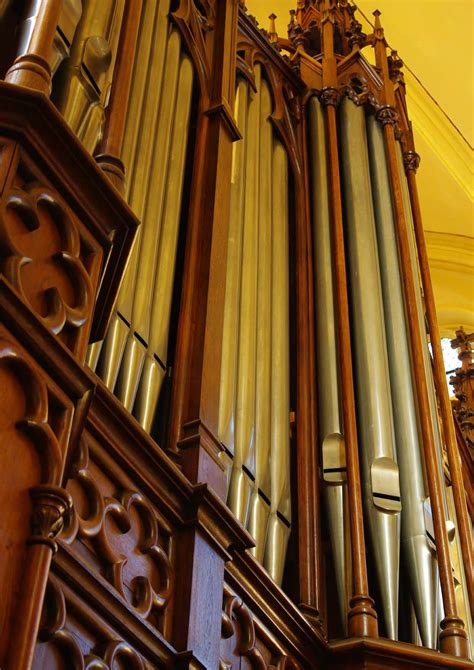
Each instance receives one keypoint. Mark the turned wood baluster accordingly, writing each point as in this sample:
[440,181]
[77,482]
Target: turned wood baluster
[32,69]
[441,386]
[109,152]
[362,618]
[453,638]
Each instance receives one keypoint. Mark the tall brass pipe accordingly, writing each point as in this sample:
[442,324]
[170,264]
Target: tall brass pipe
[421,565]
[331,439]
[380,476]
[259,508]
[142,124]
[153,201]
[244,445]
[279,460]
[163,281]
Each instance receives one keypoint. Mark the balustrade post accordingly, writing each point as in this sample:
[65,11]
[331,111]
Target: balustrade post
[32,69]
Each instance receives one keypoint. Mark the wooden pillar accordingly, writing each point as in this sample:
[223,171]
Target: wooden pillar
[196,386]
[309,509]
[362,618]
[110,150]
[32,69]
[464,526]
[453,638]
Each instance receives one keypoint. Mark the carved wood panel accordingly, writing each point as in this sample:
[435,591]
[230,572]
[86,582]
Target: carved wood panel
[45,252]
[119,534]
[71,639]
[241,645]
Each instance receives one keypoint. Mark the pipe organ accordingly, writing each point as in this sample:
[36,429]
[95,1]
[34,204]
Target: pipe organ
[227,442]
[254,419]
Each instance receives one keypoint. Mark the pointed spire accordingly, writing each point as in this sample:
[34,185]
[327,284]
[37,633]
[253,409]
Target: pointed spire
[378,30]
[272,33]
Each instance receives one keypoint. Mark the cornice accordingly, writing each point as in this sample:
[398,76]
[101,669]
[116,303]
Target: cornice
[446,142]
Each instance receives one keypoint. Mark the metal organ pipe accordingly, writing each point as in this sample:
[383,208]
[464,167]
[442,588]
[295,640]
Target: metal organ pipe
[280,495]
[331,440]
[244,436]
[255,379]
[380,477]
[133,357]
[419,559]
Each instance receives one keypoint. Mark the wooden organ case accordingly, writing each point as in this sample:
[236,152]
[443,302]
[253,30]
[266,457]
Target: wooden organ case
[225,443]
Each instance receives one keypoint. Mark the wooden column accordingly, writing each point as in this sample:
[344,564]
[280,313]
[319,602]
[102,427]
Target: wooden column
[362,618]
[464,526]
[196,386]
[32,69]
[309,509]
[110,150]
[453,638]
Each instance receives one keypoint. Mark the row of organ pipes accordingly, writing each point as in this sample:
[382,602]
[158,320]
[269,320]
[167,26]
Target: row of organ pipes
[87,59]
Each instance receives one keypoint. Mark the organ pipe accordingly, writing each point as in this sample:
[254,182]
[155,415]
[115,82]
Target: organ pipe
[380,476]
[420,562]
[255,386]
[330,425]
[134,356]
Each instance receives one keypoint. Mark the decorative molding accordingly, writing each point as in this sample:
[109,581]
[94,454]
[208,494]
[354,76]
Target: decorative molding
[442,137]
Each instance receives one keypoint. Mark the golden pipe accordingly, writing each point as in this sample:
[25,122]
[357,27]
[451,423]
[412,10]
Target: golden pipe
[142,124]
[32,69]
[244,445]
[133,357]
[279,462]
[153,374]
[259,509]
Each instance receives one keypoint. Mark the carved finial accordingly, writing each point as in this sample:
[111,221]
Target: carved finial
[395,65]
[378,30]
[357,38]
[292,19]
[272,33]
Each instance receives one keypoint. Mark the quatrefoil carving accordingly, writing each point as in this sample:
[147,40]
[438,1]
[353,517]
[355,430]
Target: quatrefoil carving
[145,598]
[40,248]
[96,528]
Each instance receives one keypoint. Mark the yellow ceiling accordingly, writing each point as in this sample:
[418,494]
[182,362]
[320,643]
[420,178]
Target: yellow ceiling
[435,39]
